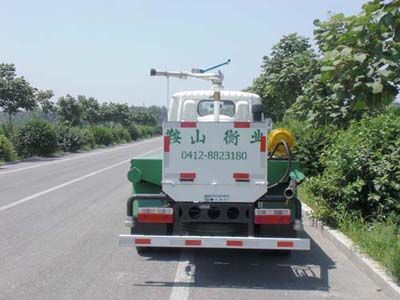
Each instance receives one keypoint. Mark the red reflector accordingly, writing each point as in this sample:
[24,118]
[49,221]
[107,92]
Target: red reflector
[285,244]
[272,219]
[241,124]
[143,241]
[155,218]
[234,243]
[241,176]
[263,144]
[187,176]
[187,124]
[193,242]
[167,141]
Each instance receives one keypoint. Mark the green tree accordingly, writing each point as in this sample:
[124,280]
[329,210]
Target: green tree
[15,93]
[115,113]
[44,100]
[290,66]
[159,112]
[360,66]
[90,109]
[143,118]
[69,110]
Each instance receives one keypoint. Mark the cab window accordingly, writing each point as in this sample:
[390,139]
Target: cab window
[206,107]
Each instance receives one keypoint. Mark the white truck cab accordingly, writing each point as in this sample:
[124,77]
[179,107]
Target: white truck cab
[198,106]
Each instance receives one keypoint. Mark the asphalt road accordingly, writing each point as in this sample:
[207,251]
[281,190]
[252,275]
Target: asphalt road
[59,225]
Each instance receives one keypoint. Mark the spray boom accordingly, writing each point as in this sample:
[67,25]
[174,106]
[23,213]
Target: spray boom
[215,78]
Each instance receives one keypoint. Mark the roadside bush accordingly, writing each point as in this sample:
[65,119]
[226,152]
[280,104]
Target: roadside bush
[362,174]
[7,152]
[102,135]
[133,132]
[69,139]
[72,139]
[37,137]
[4,130]
[120,134]
[87,138]
[146,131]
[310,144]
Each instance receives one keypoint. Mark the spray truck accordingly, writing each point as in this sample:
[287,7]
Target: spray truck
[223,178]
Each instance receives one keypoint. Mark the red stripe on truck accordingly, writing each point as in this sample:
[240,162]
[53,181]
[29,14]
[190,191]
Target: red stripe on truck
[285,244]
[143,241]
[167,141]
[234,243]
[155,218]
[192,242]
[241,124]
[263,144]
[272,219]
[187,124]
[187,176]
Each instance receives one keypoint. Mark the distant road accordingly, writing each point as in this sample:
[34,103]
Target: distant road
[59,225]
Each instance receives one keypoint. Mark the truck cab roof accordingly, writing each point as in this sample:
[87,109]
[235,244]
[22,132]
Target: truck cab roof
[198,106]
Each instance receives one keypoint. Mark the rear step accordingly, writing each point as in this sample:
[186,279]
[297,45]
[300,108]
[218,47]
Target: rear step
[213,242]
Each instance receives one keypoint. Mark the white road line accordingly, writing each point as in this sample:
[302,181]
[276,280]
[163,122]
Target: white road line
[31,197]
[184,277]
[77,157]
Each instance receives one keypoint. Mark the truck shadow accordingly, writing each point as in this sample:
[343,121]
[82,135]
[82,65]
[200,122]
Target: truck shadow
[251,269]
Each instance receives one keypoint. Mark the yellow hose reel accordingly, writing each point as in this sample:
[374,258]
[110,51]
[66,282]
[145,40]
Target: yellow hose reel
[277,135]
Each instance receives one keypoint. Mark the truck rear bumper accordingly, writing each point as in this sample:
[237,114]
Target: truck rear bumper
[176,241]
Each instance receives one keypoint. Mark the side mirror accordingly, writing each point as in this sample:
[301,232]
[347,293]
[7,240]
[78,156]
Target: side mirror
[256,110]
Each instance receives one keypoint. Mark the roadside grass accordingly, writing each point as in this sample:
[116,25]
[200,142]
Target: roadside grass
[379,240]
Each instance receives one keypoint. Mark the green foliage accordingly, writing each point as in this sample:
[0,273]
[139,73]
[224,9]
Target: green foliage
[290,66]
[36,137]
[90,109]
[360,66]
[310,143]
[380,240]
[116,113]
[102,135]
[69,110]
[15,93]
[133,132]
[120,134]
[72,139]
[362,170]
[7,152]
[43,98]
[159,112]
[87,138]
[143,118]
[146,131]
[5,130]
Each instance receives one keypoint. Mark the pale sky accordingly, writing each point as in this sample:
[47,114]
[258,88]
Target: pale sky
[105,49]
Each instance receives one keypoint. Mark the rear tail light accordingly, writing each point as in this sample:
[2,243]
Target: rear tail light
[155,215]
[187,176]
[272,216]
[241,176]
